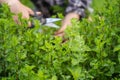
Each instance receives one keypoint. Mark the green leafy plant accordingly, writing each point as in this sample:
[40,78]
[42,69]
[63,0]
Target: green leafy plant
[92,51]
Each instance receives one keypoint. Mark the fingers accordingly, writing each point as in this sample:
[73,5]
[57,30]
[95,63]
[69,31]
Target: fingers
[16,19]
[30,11]
[60,34]
[27,16]
[61,30]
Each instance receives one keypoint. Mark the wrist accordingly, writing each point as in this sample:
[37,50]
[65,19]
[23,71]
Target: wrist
[72,15]
[9,2]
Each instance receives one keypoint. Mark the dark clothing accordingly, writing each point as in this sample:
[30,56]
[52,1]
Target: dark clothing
[77,6]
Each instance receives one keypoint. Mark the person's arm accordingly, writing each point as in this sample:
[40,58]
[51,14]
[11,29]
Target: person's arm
[75,9]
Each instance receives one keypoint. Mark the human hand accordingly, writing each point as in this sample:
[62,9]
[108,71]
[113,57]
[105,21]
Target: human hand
[66,22]
[16,7]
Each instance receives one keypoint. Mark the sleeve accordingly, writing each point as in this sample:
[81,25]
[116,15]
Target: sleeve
[79,7]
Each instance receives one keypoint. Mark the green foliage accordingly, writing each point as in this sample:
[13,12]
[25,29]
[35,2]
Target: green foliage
[92,51]
[27,3]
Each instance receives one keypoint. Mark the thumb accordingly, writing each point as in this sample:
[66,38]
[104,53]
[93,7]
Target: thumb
[30,11]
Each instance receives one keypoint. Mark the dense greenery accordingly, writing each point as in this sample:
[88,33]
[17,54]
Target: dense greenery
[92,51]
